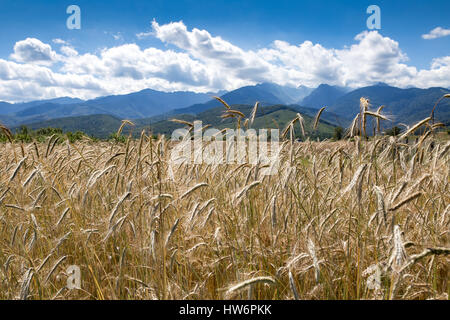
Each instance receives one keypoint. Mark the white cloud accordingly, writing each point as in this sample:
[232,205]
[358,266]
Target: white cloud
[373,58]
[436,33]
[117,36]
[437,76]
[142,35]
[32,50]
[197,61]
[213,50]
[59,41]
[22,82]
[69,51]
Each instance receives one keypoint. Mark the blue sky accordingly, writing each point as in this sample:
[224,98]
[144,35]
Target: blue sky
[246,28]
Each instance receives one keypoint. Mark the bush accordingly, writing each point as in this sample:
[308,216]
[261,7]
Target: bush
[72,137]
[48,131]
[23,135]
[338,133]
[3,137]
[117,138]
[394,131]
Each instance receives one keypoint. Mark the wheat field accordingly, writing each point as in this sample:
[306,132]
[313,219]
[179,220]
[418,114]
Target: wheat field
[351,219]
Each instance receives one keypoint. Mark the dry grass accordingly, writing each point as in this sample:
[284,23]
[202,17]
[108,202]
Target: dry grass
[340,220]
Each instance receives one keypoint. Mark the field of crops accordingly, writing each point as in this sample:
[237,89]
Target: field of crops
[351,219]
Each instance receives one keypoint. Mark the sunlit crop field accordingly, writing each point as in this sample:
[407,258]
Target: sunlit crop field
[340,220]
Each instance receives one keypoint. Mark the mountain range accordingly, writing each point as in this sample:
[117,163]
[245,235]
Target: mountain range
[146,103]
[277,116]
[265,94]
[140,104]
[150,106]
[401,105]
[323,95]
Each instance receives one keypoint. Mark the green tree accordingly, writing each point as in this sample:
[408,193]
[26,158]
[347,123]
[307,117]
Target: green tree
[74,136]
[23,134]
[338,133]
[48,131]
[118,138]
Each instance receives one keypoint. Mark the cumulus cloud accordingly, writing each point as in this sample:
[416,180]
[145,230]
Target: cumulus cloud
[59,41]
[69,51]
[436,33]
[213,51]
[32,50]
[198,61]
[373,58]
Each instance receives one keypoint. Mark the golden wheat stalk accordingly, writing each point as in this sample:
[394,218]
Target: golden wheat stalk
[189,124]
[7,132]
[316,119]
[354,126]
[302,124]
[249,282]
[405,201]
[223,102]
[253,114]
[235,112]
[197,186]
[414,128]
[124,122]
[293,286]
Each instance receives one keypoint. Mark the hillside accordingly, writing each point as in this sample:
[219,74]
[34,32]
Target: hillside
[101,126]
[324,95]
[49,111]
[402,105]
[288,95]
[244,95]
[140,104]
[266,93]
[271,117]
[327,116]
[6,108]
[146,103]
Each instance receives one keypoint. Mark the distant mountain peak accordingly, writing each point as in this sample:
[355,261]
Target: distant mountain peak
[326,85]
[381,84]
[323,95]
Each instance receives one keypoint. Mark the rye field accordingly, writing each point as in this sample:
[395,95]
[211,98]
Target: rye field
[349,219]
